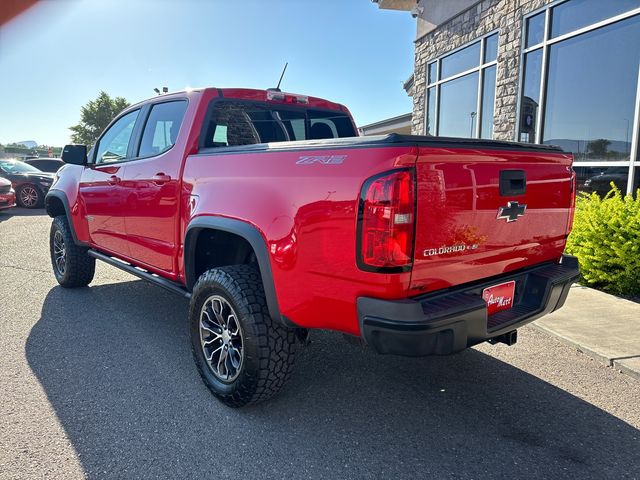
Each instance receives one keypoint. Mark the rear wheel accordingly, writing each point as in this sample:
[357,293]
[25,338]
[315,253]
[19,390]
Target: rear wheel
[243,355]
[29,196]
[72,266]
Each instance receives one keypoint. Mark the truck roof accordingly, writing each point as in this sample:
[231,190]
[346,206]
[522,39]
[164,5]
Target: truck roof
[252,94]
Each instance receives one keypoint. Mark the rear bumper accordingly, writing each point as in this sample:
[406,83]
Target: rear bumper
[446,322]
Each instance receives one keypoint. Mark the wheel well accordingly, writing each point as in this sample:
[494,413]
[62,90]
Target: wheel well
[217,248]
[55,207]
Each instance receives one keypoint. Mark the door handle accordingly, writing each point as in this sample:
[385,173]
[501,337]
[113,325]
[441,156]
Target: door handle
[161,178]
[113,180]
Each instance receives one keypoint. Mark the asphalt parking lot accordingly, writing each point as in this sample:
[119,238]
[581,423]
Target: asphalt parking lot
[99,383]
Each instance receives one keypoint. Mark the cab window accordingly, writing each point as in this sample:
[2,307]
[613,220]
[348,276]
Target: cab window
[114,144]
[161,131]
[234,123]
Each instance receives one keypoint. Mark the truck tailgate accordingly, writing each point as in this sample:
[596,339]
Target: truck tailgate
[484,212]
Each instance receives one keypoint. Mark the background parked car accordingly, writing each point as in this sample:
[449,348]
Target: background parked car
[601,183]
[50,165]
[29,183]
[7,195]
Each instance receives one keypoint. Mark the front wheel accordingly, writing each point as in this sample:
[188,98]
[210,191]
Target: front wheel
[72,266]
[243,355]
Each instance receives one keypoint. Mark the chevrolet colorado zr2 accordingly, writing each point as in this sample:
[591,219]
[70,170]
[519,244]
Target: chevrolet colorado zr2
[273,217]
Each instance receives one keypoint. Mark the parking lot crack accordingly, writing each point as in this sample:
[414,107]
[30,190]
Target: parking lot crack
[15,267]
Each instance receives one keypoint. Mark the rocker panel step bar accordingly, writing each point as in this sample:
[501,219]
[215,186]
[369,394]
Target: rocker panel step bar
[174,287]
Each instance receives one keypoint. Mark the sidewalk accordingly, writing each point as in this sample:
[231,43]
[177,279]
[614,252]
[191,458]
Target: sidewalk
[600,325]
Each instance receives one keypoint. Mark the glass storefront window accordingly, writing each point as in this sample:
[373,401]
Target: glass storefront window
[575,14]
[589,107]
[431,111]
[532,75]
[453,107]
[460,61]
[488,101]
[580,86]
[535,30]
[491,48]
[432,72]
[599,179]
[458,107]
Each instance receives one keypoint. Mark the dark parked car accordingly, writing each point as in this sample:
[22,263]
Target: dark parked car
[7,195]
[601,184]
[50,165]
[30,184]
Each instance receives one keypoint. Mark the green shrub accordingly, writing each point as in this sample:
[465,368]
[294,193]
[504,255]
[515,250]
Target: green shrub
[606,240]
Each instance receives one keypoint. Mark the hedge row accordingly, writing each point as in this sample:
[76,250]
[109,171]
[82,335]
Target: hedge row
[606,240]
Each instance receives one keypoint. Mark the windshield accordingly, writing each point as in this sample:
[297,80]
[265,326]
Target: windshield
[15,166]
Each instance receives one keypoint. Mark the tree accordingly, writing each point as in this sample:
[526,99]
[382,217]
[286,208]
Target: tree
[95,116]
[599,148]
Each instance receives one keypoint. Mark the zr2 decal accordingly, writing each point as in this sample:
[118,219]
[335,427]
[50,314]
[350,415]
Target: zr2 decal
[322,159]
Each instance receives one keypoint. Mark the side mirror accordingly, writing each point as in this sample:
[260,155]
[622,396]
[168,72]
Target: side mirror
[75,154]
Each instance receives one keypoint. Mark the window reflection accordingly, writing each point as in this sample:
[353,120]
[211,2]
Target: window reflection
[589,105]
[535,30]
[458,104]
[488,101]
[431,111]
[599,179]
[531,96]
[575,14]
[491,48]
[460,61]
[456,111]
[432,72]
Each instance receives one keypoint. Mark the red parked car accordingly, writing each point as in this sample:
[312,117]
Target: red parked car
[267,211]
[7,195]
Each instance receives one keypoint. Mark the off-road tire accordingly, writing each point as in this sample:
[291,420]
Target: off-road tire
[79,266]
[269,346]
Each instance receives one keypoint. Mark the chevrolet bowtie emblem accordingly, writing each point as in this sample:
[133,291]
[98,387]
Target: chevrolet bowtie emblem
[511,212]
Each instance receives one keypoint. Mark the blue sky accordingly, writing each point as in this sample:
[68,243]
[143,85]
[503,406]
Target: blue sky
[61,53]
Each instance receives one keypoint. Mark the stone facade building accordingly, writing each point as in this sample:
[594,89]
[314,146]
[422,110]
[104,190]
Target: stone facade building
[542,71]
[503,17]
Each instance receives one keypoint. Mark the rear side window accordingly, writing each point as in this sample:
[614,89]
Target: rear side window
[234,123]
[162,127]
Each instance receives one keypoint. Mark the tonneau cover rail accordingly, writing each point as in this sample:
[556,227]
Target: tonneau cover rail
[392,139]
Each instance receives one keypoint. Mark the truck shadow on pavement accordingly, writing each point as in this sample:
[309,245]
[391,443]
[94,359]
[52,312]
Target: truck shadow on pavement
[6,214]
[115,363]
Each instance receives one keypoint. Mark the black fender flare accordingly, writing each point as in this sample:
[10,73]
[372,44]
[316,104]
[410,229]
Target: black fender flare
[248,232]
[60,195]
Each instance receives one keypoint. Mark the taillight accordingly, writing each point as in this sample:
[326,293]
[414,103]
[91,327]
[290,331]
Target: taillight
[386,222]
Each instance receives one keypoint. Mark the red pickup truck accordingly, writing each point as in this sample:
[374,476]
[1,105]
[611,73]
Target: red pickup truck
[270,213]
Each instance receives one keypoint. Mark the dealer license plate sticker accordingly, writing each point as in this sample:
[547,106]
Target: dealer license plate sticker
[499,297]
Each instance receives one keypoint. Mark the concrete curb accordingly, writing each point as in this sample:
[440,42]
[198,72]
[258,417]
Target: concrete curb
[600,325]
[575,344]
[630,366]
